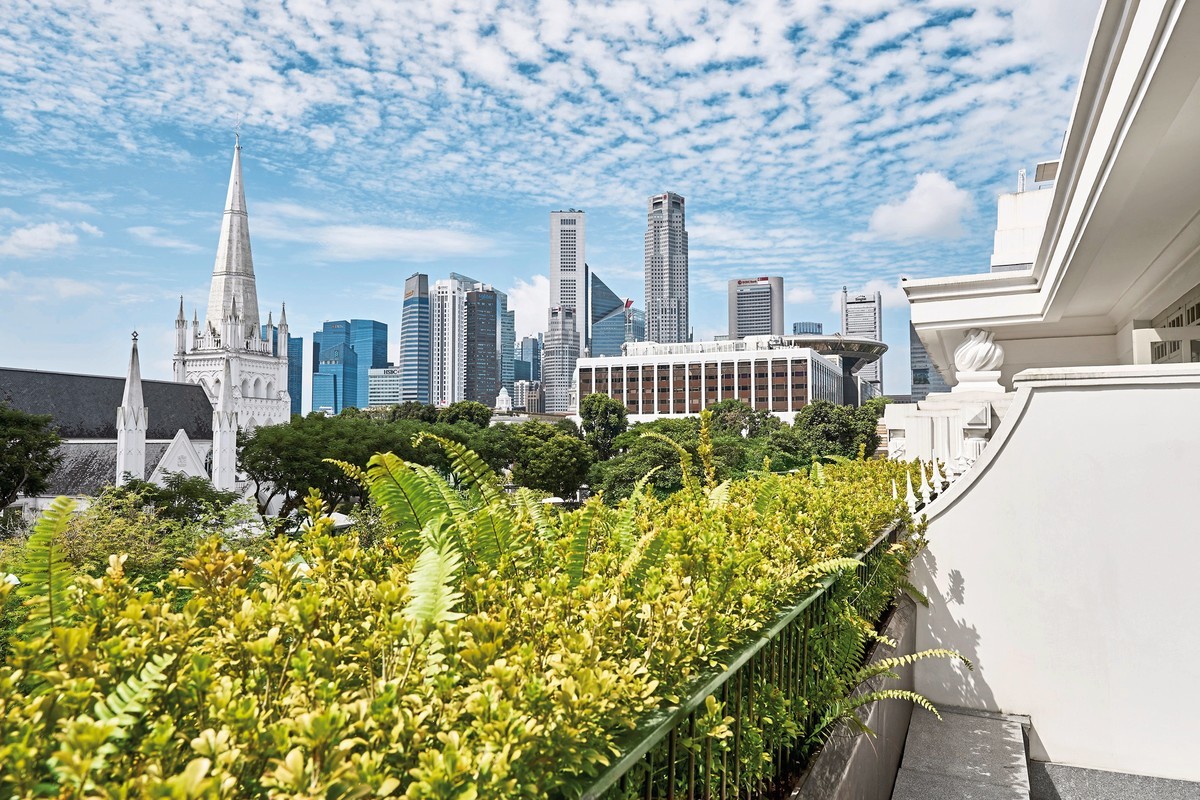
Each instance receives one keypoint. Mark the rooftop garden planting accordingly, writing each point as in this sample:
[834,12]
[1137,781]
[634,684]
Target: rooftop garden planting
[460,642]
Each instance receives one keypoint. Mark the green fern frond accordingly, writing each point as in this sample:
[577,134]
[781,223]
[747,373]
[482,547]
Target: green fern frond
[866,698]
[577,553]
[836,459]
[817,473]
[685,459]
[432,596]
[351,471]
[626,527]
[495,533]
[719,495]
[46,575]
[913,592]
[639,564]
[472,472]
[829,566]
[399,492]
[884,665]
[527,504]
[129,700]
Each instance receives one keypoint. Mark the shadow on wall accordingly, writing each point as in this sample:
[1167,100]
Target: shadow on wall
[950,682]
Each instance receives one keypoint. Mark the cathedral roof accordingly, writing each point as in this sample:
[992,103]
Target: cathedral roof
[85,406]
[233,269]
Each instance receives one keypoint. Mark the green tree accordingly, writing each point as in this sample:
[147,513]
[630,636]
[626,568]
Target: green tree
[411,409]
[603,420]
[739,418]
[28,453]
[181,497]
[288,460]
[826,429]
[476,414]
[558,465]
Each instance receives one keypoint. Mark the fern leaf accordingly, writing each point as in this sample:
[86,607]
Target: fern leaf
[46,575]
[885,665]
[638,566]
[351,471]
[719,495]
[432,596]
[914,592]
[626,525]
[472,471]
[866,698]
[405,497]
[829,566]
[528,505]
[494,528]
[818,473]
[685,459]
[130,699]
[577,554]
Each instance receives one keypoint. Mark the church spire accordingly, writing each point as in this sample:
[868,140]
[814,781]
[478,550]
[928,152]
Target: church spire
[233,269]
[132,423]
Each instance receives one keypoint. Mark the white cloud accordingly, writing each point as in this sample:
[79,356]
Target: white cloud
[933,209]
[156,237]
[62,204]
[799,294]
[33,241]
[37,288]
[531,300]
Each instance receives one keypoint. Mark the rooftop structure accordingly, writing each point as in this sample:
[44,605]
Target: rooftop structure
[1071,422]
[755,307]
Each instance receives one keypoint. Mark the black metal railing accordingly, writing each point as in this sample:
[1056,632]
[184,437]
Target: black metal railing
[680,753]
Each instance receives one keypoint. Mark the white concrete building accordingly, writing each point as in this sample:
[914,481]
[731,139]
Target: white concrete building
[448,339]
[1021,220]
[1062,561]
[231,335]
[776,374]
[385,386]
[755,307]
[666,270]
[559,357]
[862,318]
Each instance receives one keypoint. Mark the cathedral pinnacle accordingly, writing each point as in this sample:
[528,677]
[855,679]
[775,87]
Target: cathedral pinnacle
[233,269]
[132,397]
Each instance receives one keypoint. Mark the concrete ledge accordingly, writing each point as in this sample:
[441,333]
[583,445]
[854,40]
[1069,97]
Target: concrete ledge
[859,767]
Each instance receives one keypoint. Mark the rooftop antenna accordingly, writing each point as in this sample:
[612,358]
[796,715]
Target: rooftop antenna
[1021,180]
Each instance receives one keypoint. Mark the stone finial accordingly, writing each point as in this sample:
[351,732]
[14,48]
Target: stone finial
[978,352]
[977,360]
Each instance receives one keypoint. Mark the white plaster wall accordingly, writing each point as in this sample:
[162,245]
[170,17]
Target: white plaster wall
[1068,572]
[1057,351]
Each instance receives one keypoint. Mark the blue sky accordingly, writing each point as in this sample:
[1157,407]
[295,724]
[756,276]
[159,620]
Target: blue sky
[841,143]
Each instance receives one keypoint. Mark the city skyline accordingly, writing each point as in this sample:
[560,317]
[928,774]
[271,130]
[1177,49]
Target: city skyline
[109,210]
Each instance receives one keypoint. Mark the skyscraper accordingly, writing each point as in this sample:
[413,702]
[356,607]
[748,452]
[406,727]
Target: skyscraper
[569,285]
[559,358]
[448,334]
[481,362]
[529,354]
[367,339]
[506,333]
[926,379]
[335,382]
[614,321]
[295,371]
[755,307]
[862,318]
[666,270]
[570,290]
[415,342]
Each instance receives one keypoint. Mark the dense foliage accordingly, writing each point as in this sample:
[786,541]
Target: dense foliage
[28,446]
[558,458]
[482,646]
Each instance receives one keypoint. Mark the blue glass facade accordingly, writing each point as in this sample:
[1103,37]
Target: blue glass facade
[335,384]
[416,343]
[369,340]
[808,328]
[530,351]
[295,346]
[366,341]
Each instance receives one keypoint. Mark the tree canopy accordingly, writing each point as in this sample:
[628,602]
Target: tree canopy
[28,453]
